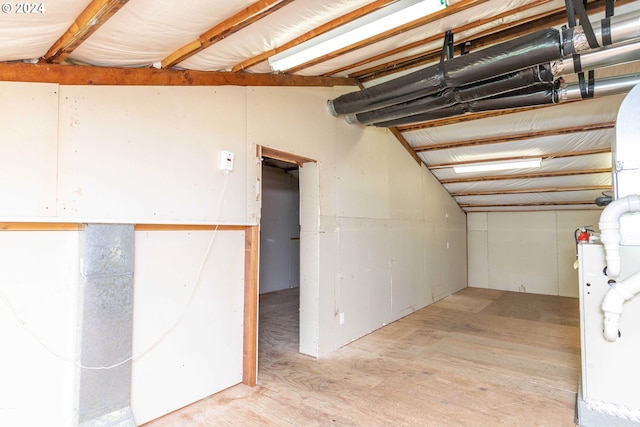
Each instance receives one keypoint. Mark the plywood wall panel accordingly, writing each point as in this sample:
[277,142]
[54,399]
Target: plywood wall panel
[29,126]
[526,251]
[153,158]
[409,287]
[39,280]
[523,252]
[364,275]
[194,347]
[363,188]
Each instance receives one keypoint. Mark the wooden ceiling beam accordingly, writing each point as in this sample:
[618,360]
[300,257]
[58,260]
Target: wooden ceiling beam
[561,155]
[513,205]
[455,8]
[313,33]
[92,17]
[531,190]
[89,75]
[514,137]
[478,41]
[434,38]
[237,22]
[525,176]
[401,139]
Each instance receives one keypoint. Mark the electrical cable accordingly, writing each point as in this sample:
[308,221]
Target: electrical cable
[162,336]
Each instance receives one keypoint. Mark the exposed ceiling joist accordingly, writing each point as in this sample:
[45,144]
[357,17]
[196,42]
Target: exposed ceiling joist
[560,155]
[457,7]
[314,33]
[237,22]
[478,41]
[515,137]
[525,176]
[89,75]
[531,190]
[532,204]
[383,69]
[417,44]
[92,17]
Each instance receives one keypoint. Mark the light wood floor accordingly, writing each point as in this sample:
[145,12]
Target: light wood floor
[477,358]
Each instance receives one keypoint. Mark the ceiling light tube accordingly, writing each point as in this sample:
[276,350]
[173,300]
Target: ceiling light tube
[384,19]
[498,165]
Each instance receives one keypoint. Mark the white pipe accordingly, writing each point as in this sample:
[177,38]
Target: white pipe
[610,230]
[613,302]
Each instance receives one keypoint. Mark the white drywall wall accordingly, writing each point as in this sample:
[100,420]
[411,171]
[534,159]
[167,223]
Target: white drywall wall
[376,241]
[380,237]
[194,348]
[39,279]
[526,251]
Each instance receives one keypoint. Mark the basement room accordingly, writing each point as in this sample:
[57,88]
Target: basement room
[305,213]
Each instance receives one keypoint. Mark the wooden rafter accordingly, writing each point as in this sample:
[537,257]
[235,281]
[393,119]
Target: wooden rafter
[561,155]
[91,18]
[313,33]
[475,41]
[531,190]
[525,176]
[495,35]
[457,7]
[401,139]
[514,137]
[434,38]
[532,204]
[240,20]
[467,117]
[88,75]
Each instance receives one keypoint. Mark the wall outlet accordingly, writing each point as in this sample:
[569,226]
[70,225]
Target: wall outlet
[226,160]
[342,318]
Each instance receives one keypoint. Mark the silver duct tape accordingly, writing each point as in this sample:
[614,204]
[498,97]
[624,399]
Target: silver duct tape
[579,38]
[557,67]
[562,93]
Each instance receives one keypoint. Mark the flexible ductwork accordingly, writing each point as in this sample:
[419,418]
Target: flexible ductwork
[534,95]
[615,29]
[602,87]
[462,84]
[533,49]
[452,96]
[602,57]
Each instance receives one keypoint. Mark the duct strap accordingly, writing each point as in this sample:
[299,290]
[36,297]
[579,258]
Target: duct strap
[576,8]
[606,24]
[447,47]
[587,87]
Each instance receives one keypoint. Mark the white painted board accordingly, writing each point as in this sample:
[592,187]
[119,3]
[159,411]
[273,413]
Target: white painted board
[185,349]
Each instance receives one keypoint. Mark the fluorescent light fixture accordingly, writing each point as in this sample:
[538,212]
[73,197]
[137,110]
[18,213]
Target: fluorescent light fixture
[498,165]
[384,19]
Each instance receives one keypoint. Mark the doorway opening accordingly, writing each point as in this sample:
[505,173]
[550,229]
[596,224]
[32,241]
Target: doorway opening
[279,272]
[288,278]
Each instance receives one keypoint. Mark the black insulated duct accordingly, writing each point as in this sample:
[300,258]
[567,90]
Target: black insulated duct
[491,78]
[451,96]
[523,52]
[538,94]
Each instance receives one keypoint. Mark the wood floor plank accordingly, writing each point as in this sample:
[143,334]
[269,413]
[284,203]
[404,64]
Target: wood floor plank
[477,358]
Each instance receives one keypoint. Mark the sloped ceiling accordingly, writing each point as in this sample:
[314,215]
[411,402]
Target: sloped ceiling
[202,42]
